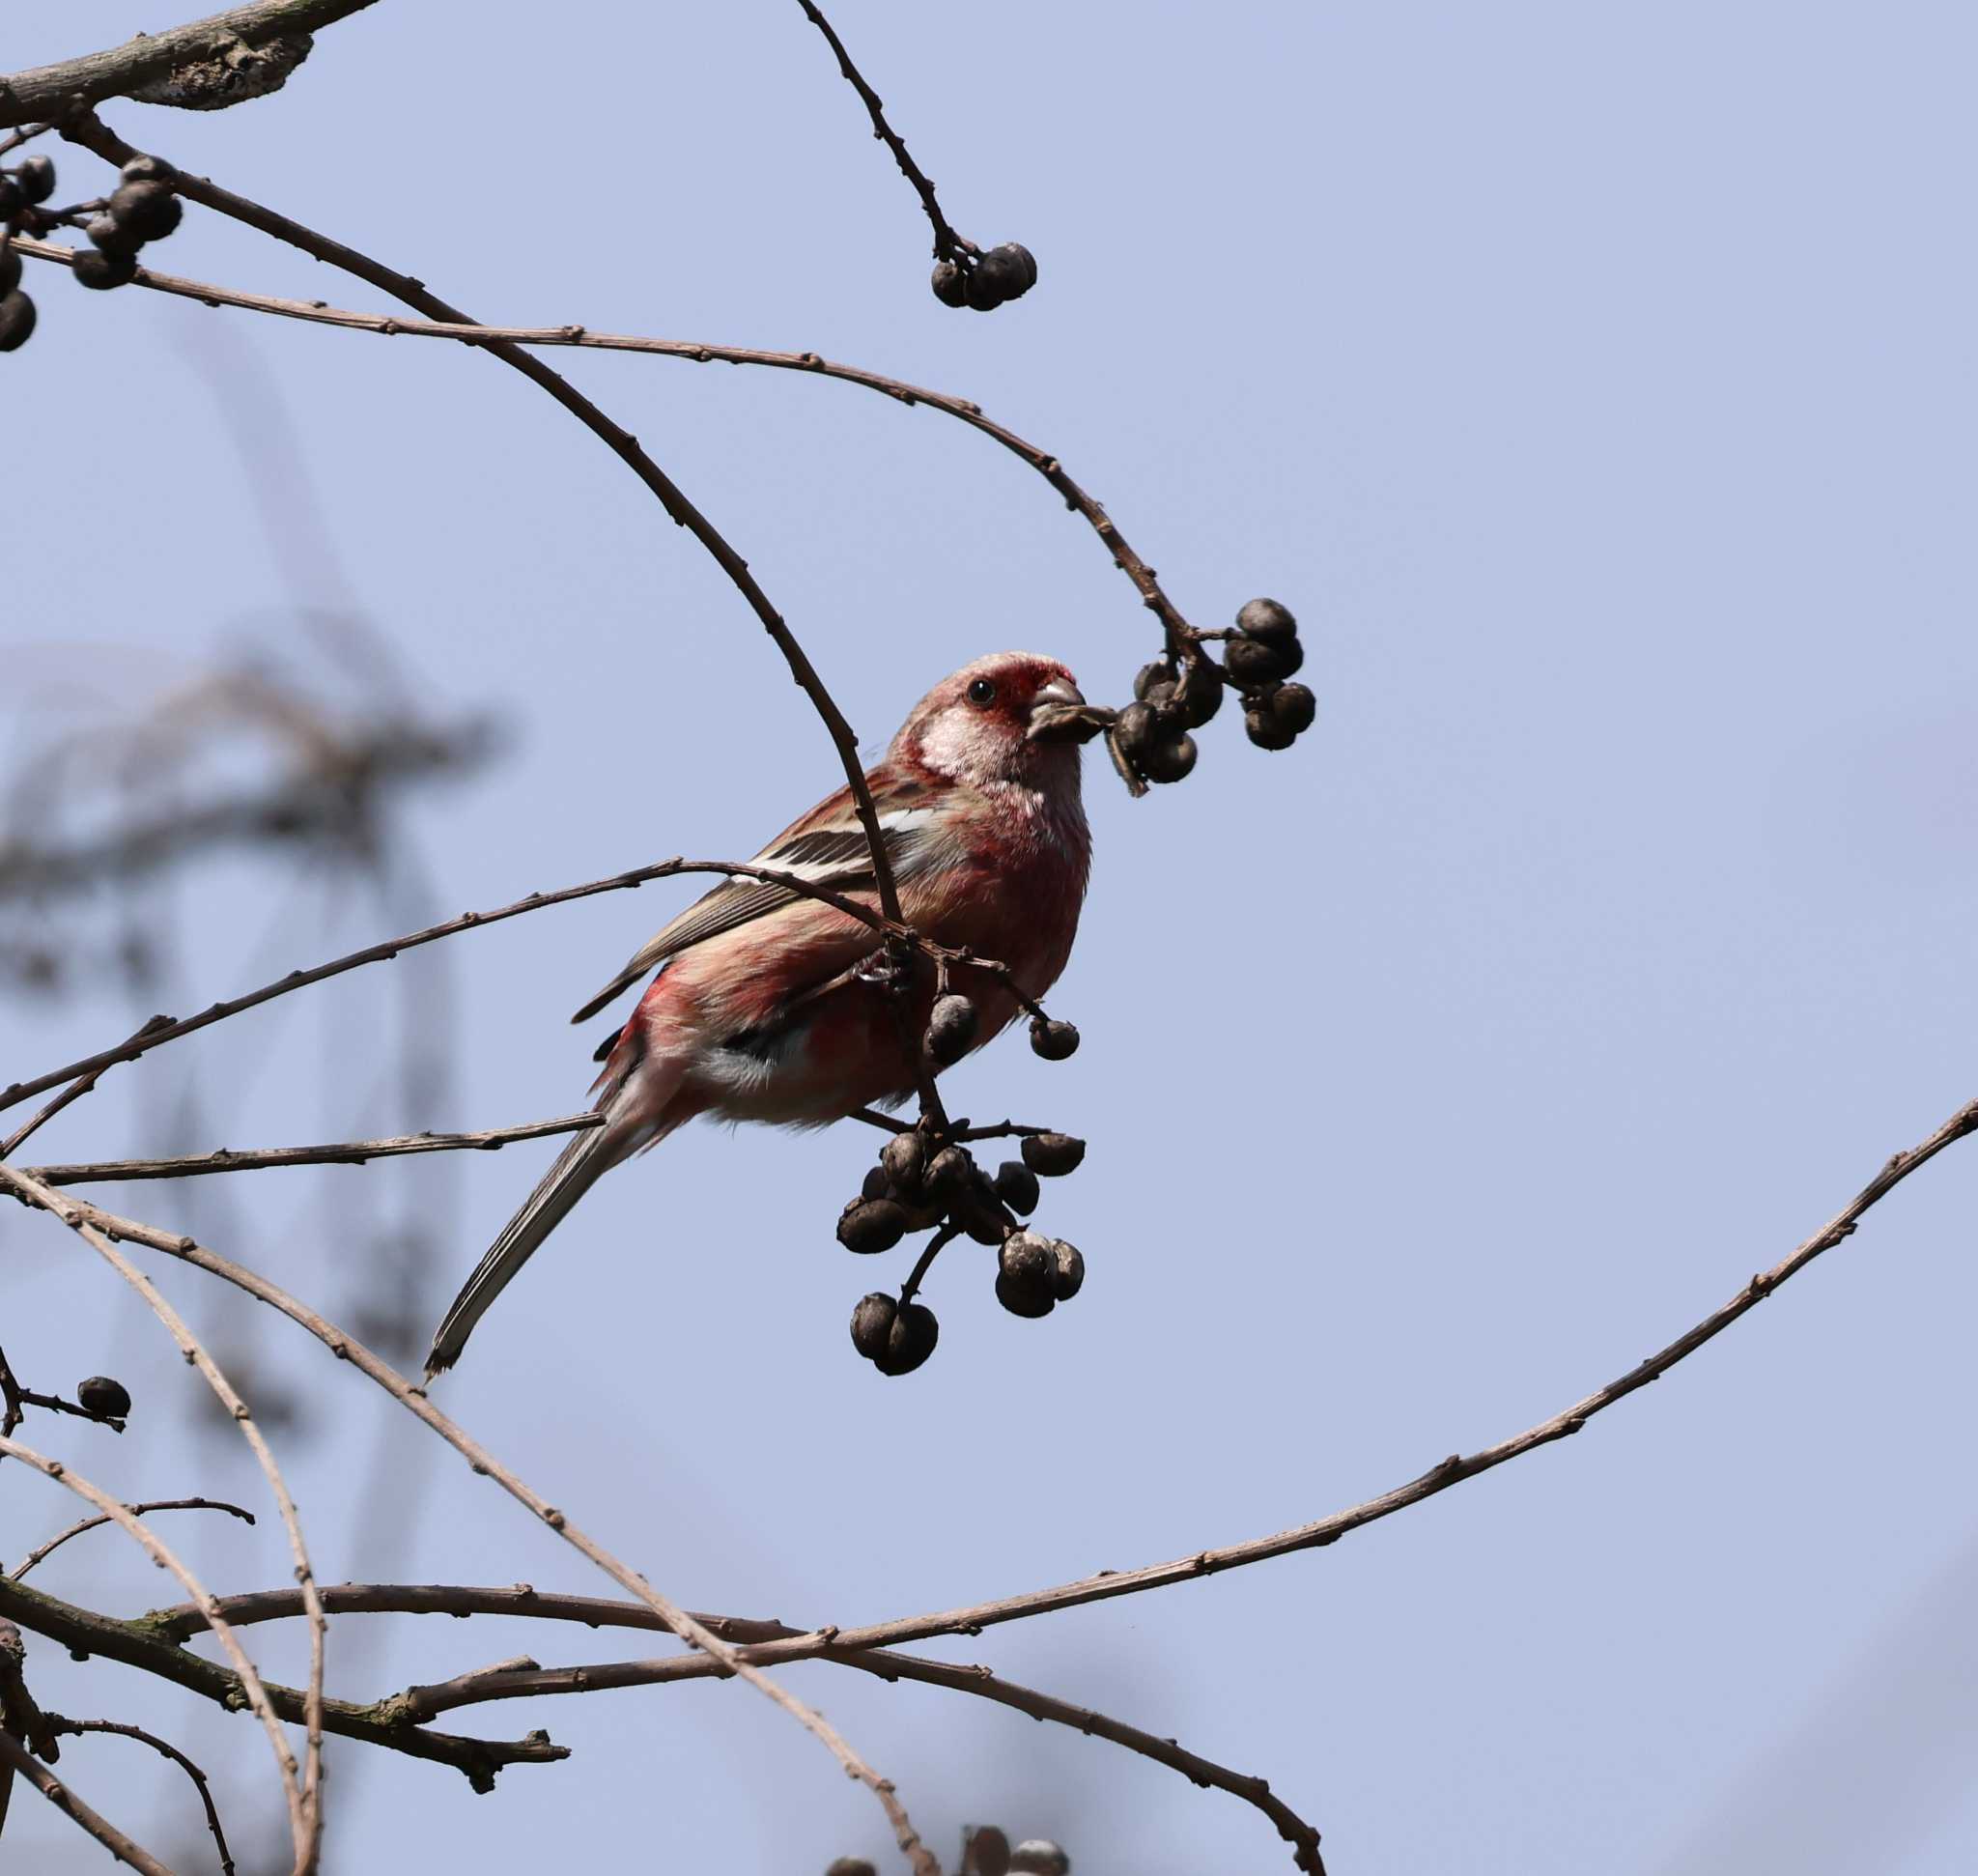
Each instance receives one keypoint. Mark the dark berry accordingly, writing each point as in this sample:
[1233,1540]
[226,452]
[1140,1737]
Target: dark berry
[877,1185]
[1250,662]
[1004,271]
[1267,621]
[1134,729]
[986,1852]
[948,1173]
[1160,671]
[147,169]
[1263,729]
[1026,1274]
[149,210]
[10,269]
[17,320]
[1053,1155]
[980,1215]
[1052,1039]
[904,1161]
[35,178]
[12,198]
[981,289]
[1169,759]
[870,1225]
[912,1340]
[1016,1185]
[872,1323]
[1199,693]
[851,1866]
[100,1394]
[950,1030]
[111,237]
[1294,707]
[950,288]
[93,269]
[1070,1269]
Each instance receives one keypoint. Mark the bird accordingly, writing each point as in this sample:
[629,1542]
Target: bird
[766,1004]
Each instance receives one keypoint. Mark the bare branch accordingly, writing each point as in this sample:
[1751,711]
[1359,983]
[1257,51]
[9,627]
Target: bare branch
[348,1349]
[178,1759]
[342,1153]
[1177,629]
[307,1808]
[144,1510]
[75,1090]
[145,1646]
[249,1680]
[51,90]
[94,134]
[16,1758]
[946,240]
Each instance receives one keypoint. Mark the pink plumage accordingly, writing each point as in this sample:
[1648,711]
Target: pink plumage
[762,1009]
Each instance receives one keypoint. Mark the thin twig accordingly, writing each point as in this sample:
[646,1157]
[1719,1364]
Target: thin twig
[75,1090]
[16,1758]
[50,91]
[249,1679]
[144,1510]
[309,1822]
[94,134]
[348,1349]
[946,240]
[1146,582]
[178,1759]
[342,1153]
[143,1646]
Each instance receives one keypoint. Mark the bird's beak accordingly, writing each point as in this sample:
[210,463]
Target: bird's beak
[1059,714]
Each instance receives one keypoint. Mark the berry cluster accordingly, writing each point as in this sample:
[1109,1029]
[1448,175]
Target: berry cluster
[985,282]
[145,206]
[1174,694]
[925,1183]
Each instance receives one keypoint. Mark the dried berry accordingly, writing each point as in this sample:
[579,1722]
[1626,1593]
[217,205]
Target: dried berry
[851,1866]
[10,269]
[980,1214]
[912,1340]
[147,169]
[985,1852]
[12,199]
[981,289]
[149,210]
[1263,728]
[948,1173]
[1199,693]
[904,1160]
[1167,759]
[93,269]
[1134,729]
[1293,707]
[1016,1185]
[1026,1274]
[1069,1271]
[1266,619]
[870,1225]
[1250,662]
[1159,672]
[111,237]
[17,320]
[35,178]
[1024,259]
[1004,271]
[950,288]
[872,1323]
[1038,1857]
[950,1029]
[100,1394]
[1053,1155]
[1052,1039]
[876,1185]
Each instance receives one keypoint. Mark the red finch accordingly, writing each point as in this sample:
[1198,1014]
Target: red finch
[761,1009]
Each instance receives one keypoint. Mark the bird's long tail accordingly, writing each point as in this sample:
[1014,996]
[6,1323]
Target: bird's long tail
[578,1167]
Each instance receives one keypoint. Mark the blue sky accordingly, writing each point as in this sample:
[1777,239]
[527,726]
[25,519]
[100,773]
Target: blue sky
[1596,385]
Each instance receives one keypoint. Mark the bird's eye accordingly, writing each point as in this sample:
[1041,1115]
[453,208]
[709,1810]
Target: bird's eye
[981,693]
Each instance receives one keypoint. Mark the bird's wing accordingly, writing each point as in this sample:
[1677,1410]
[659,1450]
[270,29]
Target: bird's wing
[826,848]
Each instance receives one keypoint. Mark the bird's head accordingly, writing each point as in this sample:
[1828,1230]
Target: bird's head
[1009,717]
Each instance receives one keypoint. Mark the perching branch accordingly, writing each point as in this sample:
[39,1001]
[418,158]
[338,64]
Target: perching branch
[51,90]
[168,1751]
[143,1510]
[16,1758]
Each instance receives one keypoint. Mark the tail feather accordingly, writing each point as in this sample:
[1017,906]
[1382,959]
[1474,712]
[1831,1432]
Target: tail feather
[578,1167]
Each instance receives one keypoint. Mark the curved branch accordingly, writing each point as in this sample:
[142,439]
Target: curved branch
[18,1758]
[90,133]
[144,1510]
[168,1751]
[342,1153]
[50,91]
[142,1645]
